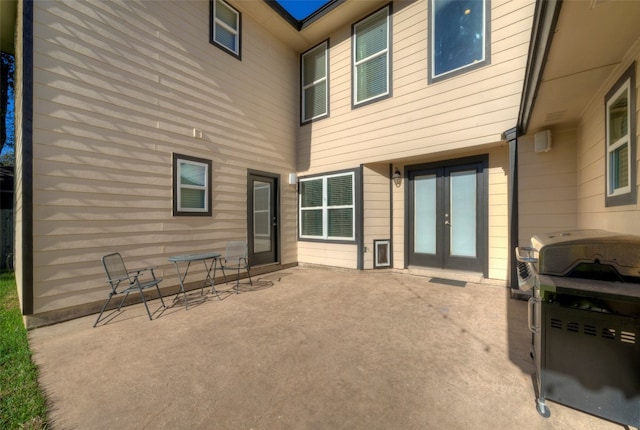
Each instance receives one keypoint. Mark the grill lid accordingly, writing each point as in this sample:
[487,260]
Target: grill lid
[595,254]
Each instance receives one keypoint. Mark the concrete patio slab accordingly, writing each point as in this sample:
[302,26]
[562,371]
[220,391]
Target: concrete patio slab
[304,348]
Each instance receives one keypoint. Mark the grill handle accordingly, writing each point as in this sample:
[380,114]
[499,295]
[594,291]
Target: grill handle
[533,302]
[526,254]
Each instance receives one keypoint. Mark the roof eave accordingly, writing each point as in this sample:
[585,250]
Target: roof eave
[544,23]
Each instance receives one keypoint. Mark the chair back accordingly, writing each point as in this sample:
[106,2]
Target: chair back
[115,268]
[236,251]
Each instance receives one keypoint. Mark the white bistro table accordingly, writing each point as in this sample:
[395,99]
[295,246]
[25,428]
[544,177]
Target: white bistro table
[210,260]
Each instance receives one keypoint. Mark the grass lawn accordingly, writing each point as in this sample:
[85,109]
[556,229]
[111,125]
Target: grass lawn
[22,404]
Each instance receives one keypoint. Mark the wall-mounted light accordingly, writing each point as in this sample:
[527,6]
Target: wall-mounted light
[542,141]
[397,177]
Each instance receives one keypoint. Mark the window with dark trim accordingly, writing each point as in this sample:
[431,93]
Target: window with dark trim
[459,37]
[225,27]
[191,186]
[620,141]
[327,207]
[371,71]
[314,77]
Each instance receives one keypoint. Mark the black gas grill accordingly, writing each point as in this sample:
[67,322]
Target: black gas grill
[585,318]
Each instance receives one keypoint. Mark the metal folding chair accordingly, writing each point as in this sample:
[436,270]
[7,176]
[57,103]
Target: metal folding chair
[123,281]
[235,258]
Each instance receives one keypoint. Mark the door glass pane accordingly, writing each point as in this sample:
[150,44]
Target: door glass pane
[261,216]
[425,214]
[463,213]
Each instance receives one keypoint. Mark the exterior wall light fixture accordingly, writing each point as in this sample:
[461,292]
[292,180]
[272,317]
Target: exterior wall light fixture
[397,177]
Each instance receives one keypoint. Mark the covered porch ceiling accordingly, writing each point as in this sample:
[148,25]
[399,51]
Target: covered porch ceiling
[589,40]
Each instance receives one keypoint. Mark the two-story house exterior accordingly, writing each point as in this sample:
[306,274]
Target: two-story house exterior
[373,134]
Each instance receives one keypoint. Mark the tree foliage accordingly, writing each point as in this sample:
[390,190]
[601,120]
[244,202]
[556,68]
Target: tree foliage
[7,131]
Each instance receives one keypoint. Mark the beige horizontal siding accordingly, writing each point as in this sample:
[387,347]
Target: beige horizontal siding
[376,209]
[118,88]
[591,177]
[498,213]
[328,254]
[547,186]
[467,110]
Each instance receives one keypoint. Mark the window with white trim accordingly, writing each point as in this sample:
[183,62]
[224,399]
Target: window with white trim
[225,27]
[459,36]
[371,52]
[191,186]
[621,141]
[327,209]
[315,83]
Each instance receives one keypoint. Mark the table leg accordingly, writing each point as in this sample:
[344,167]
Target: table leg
[209,280]
[181,278]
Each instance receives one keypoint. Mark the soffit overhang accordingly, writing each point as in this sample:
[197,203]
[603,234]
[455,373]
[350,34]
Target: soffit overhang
[590,39]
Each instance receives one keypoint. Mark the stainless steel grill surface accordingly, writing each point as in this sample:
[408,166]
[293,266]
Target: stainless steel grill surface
[585,318]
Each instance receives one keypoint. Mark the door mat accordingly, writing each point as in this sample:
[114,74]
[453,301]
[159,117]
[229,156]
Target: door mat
[451,282]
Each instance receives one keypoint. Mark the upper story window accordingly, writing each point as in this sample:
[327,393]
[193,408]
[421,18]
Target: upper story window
[315,83]
[191,186]
[459,36]
[225,27]
[620,108]
[327,208]
[371,52]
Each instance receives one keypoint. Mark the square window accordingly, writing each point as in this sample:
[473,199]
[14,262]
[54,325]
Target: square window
[459,37]
[191,186]
[620,139]
[327,210]
[225,27]
[314,79]
[371,57]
